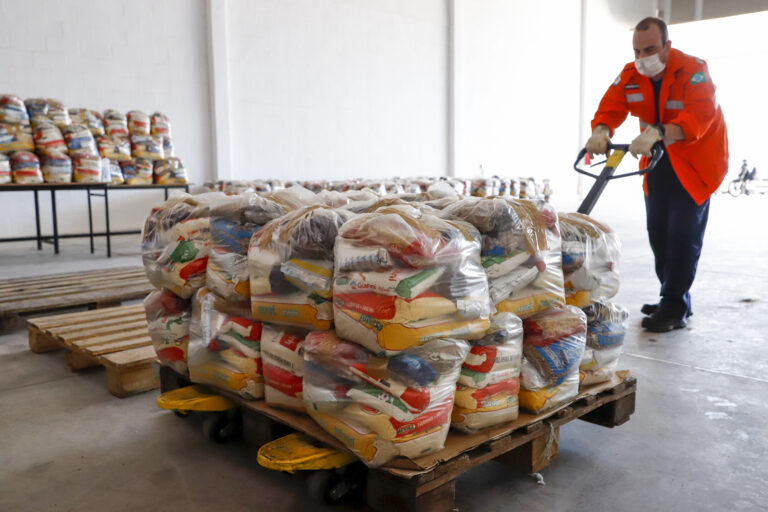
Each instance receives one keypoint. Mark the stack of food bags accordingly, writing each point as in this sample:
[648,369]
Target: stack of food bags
[606,328]
[16,136]
[404,277]
[553,346]
[168,318]
[282,350]
[382,407]
[489,382]
[521,252]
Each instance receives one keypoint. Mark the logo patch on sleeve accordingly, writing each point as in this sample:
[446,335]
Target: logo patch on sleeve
[616,82]
[698,78]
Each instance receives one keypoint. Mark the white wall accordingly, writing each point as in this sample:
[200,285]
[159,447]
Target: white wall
[337,89]
[123,54]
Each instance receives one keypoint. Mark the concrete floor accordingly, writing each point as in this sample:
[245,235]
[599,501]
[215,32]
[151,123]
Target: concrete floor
[696,442]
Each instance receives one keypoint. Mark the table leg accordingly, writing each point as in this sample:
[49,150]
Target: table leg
[166,193]
[55,223]
[106,215]
[37,222]
[90,219]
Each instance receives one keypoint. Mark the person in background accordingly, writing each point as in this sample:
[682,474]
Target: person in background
[673,96]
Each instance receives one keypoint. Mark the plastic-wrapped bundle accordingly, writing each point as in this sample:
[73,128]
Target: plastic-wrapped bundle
[147,146]
[168,318]
[56,168]
[489,381]
[90,118]
[290,263]
[58,113]
[170,171]
[521,252]
[115,123]
[175,244]
[484,187]
[225,351]
[86,168]
[553,346]
[79,139]
[160,125]
[115,173]
[5,169]
[12,110]
[591,253]
[294,197]
[15,137]
[382,407]
[234,220]
[606,328]
[25,167]
[138,122]
[37,108]
[48,138]
[282,351]
[114,147]
[138,171]
[404,277]
[168,148]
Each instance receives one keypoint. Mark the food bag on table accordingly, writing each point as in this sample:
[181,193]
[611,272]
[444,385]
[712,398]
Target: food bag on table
[114,147]
[37,108]
[115,123]
[48,138]
[170,171]
[5,169]
[606,328]
[56,168]
[115,173]
[160,125]
[225,350]
[290,262]
[138,122]
[404,277]
[79,139]
[521,252]
[489,382]
[591,253]
[282,353]
[86,168]
[58,113]
[553,346]
[25,167]
[234,220]
[168,147]
[168,318]
[13,110]
[16,137]
[175,244]
[382,407]
[147,146]
[90,118]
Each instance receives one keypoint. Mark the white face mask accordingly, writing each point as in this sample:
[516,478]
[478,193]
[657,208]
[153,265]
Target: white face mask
[650,66]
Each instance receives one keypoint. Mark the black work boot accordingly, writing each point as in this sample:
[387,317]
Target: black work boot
[659,322]
[649,309]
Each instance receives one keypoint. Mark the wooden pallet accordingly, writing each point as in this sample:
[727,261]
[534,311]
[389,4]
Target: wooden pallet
[116,338]
[95,289]
[428,484]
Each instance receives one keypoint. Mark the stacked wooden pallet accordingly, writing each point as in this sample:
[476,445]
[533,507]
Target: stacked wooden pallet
[116,338]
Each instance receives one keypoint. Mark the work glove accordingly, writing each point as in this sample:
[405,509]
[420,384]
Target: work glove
[644,142]
[598,142]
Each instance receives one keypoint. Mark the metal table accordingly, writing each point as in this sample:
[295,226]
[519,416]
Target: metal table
[92,190]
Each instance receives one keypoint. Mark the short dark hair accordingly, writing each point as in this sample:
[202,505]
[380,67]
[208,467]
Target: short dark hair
[646,23]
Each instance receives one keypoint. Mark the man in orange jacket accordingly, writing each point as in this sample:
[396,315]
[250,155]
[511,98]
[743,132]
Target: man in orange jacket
[673,96]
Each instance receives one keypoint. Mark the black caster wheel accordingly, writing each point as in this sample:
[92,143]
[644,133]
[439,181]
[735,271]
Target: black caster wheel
[181,414]
[222,427]
[319,486]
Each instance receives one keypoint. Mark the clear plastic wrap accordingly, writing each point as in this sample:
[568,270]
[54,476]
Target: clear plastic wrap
[79,139]
[138,171]
[553,346]
[168,149]
[56,168]
[15,137]
[13,110]
[37,108]
[294,197]
[290,263]
[382,407]
[489,382]
[606,328]
[160,125]
[521,252]
[86,168]
[115,123]
[170,171]
[168,318]
[114,147]
[90,118]
[58,113]
[225,349]
[25,167]
[591,253]
[5,169]
[147,146]
[404,277]
[282,351]
[175,244]
[115,173]
[48,138]
[138,123]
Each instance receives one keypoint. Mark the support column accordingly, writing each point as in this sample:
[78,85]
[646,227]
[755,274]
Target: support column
[218,67]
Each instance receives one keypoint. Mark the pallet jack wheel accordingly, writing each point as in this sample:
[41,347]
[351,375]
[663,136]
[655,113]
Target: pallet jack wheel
[222,427]
[181,414]
[319,485]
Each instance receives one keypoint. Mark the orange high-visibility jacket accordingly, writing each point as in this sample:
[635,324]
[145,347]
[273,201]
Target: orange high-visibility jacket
[687,99]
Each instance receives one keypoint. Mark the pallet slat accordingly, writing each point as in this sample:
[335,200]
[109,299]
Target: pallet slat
[74,318]
[114,283]
[134,292]
[131,357]
[62,277]
[101,322]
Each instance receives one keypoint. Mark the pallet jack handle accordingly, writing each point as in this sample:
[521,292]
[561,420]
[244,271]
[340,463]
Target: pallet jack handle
[611,164]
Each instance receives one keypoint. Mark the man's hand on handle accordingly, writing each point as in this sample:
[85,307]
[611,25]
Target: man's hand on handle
[644,142]
[598,142]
